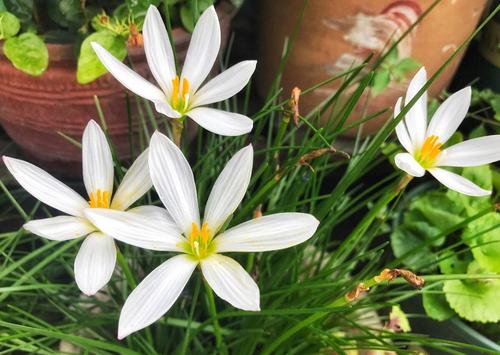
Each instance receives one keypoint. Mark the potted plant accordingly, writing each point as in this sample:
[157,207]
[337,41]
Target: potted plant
[49,73]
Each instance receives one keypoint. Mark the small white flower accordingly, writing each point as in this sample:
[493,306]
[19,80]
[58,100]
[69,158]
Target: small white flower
[96,258]
[423,143]
[199,243]
[181,95]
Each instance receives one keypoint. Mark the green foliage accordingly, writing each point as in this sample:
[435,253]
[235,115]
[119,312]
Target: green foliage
[27,53]
[9,25]
[436,306]
[191,11]
[89,66]
[488,97]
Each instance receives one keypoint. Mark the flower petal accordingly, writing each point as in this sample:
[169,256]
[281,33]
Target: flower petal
[45,187]
[134,185]
[164,107]
[95,262]
[226,84]
[221,122]
[203,50]
[231,282]
[154,296]
[474,152]
[416,118]
[173,181]
[408,164]
[144,231]
[458,183]
[229,189]
[450,115]
[158,50]
[60,227]
[156,212]
[97,162]
[127,77]
[401,130]
[273,232]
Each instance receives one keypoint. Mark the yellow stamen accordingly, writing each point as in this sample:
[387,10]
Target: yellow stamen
[100,199]
[429,152]
[175,91]
[199,241]
[185,87]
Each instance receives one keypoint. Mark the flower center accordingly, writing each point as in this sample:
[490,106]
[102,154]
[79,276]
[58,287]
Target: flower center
[100,199]
[429,152]
[199,242]
[180,94]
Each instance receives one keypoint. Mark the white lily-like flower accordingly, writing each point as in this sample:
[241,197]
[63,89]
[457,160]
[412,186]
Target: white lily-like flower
[200,244]
[95,261]
[423,142]
[180,96]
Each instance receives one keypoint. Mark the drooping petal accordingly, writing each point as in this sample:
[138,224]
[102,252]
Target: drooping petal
[165,108]
[229,189]
[401,131]
[45,187]
[416,117]
[450,115]
[173,181]
[127,77]
[273,232]
[154,296]
[97,162]
[408,164]
[60,227]
[95,262]
[458,183]
[231,282]
[221,122]
[226,84]
[158,50]
[474,152]
[135,184]
[203,50]
[143,231]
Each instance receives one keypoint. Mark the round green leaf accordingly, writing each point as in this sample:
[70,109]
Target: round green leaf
[483,236]
[381,79]
[27,53]
[89,66]
[9,25]
[436,306]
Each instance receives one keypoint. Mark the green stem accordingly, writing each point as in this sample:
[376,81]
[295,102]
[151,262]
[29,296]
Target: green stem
[213,314]
[177,127]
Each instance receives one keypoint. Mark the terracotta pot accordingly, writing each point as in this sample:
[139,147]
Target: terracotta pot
[337,33]
[34,109]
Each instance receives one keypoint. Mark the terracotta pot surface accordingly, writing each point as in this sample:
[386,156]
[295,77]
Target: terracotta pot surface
[337,33]
[34,109]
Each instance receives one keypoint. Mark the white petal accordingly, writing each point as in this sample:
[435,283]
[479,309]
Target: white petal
[134,185]
[127,77]
[45,187]
[273,232]
[416,118]
[458,183]
[401,131]
[158,50]
[173,181]
[160,213]
[154,296]
[229,189]
[221,122]
[450,115]
[203,49]
[408,164]
[97,162]
[94,263]
[164,107]
[474,152]
[144,231]
[60,228]
[226,84]
[231,282]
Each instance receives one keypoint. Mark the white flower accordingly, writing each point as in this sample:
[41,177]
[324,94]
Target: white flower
[423,143]
[199,243]
[96,258]
[181,95]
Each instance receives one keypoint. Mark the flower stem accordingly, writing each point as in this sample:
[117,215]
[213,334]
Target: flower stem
[213,314]
[177,127]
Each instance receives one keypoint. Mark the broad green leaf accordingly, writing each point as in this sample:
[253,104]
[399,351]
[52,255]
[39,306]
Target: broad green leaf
[9,25]
[66,13]
[89,66]
[22,9]
[453,263]
[436,306]
[480,175]
[405,66]
[485,246]
[27,53]
[381,79]
[392,55]
[188,15]
[140,7]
